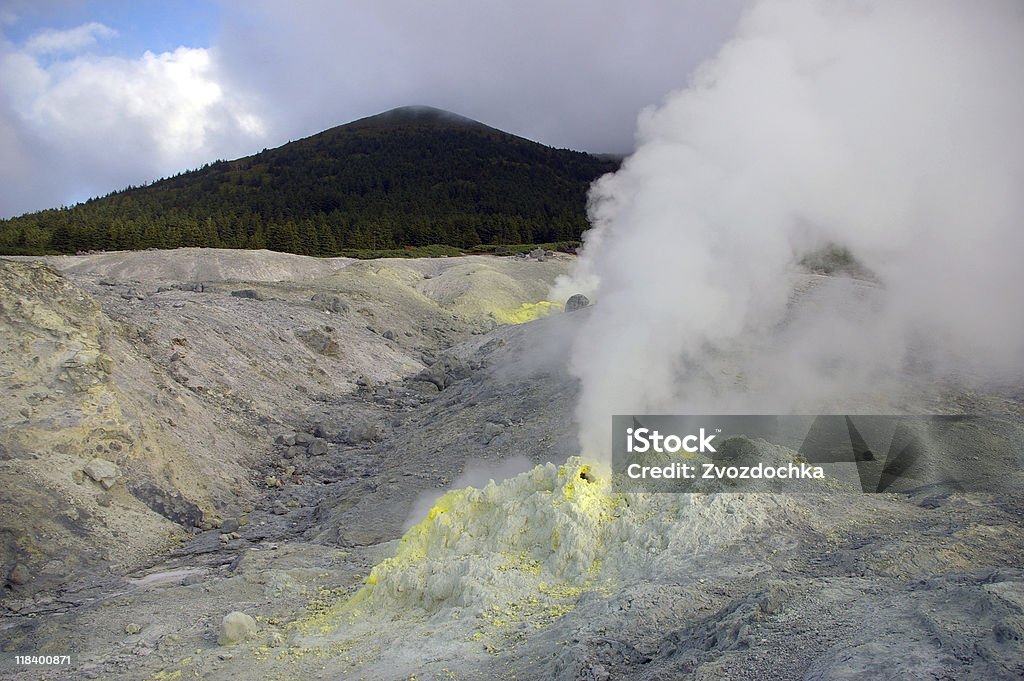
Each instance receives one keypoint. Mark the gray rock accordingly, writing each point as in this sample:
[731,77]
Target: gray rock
[194,286]
[250,293]
[319,341]
[361,431]
[132,628]
[318,447]
[422,387]
[389,335]
[294,451]
[228,526]
[287,438]
[19,575]
[491,431]
[576,302]
[433,374]
[236,626]
[303,438]
[102,471]
[330,303]
[444,372]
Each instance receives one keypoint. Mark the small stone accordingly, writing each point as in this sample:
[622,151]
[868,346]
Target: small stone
[132,628]
[303,438]
[228,526]
[243,520]
[292,503]
[318,447]
[294,451]
[19,575]
[275,639]
[287,439]
[78,476]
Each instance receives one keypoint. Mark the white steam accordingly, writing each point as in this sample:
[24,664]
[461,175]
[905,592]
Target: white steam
[891,128]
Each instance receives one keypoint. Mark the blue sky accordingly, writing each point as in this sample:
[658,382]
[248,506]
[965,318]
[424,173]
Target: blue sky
[141,26]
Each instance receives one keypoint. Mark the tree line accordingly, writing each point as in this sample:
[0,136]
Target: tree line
[365,185]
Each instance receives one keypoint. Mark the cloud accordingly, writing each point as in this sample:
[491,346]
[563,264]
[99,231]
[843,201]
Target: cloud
[84,125]
[569,74]
[50,41]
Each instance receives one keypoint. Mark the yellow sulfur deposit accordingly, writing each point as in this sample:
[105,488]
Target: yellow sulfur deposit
[477,547]
[527,312]
[515,556]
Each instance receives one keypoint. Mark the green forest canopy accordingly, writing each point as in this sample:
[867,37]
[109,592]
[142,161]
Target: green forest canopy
[407,177]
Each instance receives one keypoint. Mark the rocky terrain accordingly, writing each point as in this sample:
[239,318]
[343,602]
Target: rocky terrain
[208,460]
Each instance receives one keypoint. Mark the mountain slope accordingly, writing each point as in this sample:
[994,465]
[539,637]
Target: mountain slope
[409,176]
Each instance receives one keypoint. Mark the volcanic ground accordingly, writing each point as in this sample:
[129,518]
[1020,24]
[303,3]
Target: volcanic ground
[193,433]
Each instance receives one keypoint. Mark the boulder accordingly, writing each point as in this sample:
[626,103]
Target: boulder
[235,627]
[250,293]
[102,471]
[287,438]
[576,302]
[491,431]
[330,303]
[444,372]
[319,341]
[318,447]
[362,430]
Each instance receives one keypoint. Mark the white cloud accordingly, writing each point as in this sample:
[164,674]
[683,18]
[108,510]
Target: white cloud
[51,41]
[84,125]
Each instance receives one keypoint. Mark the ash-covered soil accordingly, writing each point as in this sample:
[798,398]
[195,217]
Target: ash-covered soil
[190,433]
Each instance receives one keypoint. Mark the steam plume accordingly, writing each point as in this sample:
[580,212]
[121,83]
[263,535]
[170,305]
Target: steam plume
[891,128]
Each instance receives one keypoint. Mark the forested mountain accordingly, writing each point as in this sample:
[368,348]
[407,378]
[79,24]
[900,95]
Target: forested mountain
[410,176]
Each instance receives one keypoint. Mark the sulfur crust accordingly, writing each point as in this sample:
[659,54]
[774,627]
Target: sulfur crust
[527,312]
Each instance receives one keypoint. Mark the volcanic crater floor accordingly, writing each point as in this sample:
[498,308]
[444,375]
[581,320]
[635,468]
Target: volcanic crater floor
[312,442]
